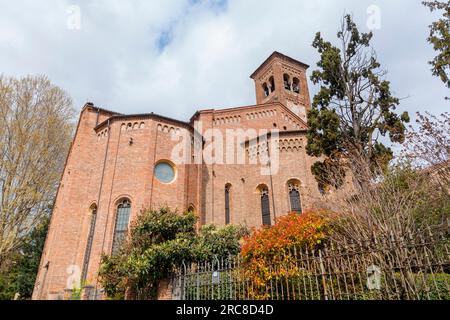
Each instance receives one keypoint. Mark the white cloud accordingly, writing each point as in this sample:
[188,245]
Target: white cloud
[211,48]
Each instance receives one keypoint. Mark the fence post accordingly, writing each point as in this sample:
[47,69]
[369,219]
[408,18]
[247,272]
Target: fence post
[198,281]
[230,276]
[322,270]
[218,275]
[183,288]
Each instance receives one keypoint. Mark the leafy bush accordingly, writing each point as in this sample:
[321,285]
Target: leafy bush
[213,242]
[267,253]
[308,229]
[433,286]
[159,241]
[440,286]
[20,273]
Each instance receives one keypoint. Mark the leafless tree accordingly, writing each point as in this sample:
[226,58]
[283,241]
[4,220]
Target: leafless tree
[402,199]
[35,132]
[428,146]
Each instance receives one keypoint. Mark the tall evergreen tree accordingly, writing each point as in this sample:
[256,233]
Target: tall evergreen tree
[352,110]
[440,39]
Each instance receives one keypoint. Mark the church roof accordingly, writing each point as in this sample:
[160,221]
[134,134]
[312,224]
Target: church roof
[91,105]
[119,116]
[140,116]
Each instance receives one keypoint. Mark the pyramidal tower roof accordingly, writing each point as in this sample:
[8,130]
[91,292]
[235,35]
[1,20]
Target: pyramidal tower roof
[280,56]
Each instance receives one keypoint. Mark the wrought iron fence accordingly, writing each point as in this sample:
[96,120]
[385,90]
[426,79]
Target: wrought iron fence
[412,266]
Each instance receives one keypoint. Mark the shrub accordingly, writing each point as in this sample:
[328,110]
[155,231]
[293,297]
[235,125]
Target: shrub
[223,242]
[19,274]
[267,253]
[433,286]
[404,200]
[159,241]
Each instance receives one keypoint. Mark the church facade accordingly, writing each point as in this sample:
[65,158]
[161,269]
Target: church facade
[119,165]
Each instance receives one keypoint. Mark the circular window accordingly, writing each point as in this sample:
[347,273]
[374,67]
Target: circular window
[164,172]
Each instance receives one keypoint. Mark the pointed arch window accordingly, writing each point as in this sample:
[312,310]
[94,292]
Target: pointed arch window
[87,252]
[294,197]
[227,204]
[265,206]
[121,225]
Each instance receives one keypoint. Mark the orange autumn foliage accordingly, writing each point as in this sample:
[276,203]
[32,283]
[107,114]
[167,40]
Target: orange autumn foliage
[293,230]
[268,252]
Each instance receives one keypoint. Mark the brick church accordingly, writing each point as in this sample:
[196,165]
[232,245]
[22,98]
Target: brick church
[120,164]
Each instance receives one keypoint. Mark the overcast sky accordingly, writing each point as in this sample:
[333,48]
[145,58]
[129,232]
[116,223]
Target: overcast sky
[174,57]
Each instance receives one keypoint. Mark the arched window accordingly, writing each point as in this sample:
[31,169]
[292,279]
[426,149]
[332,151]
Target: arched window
[87,252]
[287,82]
[294,196]
[191,209]
[227,204]
[265,206]
[266,89]
[272,84]
[296,85]
[121,226]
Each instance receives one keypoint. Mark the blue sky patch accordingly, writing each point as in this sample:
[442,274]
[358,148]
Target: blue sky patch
[164,39]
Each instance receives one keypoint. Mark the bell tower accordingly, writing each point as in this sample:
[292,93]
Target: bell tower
[283,79]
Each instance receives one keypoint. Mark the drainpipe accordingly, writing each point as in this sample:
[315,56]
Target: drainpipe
[271,182]
[100,192]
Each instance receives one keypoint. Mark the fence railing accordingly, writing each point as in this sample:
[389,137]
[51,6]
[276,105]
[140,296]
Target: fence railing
[411,266]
